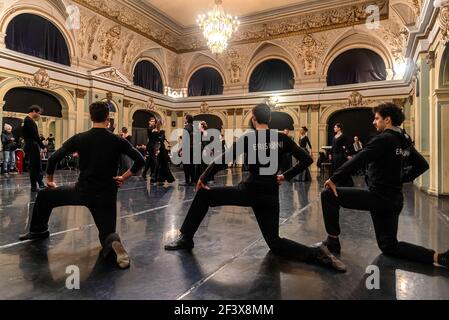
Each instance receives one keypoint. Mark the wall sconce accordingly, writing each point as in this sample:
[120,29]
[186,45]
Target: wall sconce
[272,101]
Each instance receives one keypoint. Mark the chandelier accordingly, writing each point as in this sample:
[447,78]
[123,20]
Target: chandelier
[217,27]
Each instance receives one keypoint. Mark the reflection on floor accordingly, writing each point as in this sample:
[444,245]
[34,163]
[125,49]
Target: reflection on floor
[230,260]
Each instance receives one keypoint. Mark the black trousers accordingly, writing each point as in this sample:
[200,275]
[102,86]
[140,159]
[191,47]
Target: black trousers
[150,164]
[384,211]
[103,208]
[339,159]
[33,155]
[189,170]
[266,210]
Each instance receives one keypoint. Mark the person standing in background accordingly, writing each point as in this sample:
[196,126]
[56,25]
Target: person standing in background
[9,150]
[150,162]
[51,145]
[304,143]
[339,154]
[125,161]
[187,146]
[33,146]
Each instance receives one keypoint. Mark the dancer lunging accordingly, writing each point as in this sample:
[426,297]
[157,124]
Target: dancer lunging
[384,155]
[260,191]
[99,153]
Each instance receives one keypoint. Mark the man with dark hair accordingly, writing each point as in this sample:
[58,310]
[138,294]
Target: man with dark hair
[99,153]
[33,146]
[384,155]
[187,148]
[260,191]
[150,163]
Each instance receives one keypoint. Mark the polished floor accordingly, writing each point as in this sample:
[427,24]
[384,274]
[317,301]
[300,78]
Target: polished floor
[230,259]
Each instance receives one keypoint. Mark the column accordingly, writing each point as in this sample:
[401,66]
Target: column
[80,106]
[2,104]
[2,41]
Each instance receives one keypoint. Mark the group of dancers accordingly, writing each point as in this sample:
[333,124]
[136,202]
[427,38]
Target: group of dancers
[99,152]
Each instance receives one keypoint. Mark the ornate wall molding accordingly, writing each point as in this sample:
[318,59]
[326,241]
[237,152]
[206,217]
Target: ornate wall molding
[40,79]
[80,94]
[303,23]
[443,21]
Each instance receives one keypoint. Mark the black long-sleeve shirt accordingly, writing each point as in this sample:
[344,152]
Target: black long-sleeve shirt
[153,138]
[339,145]
[385,155]
[265,143]
[30,132]
[99,153]
[304,142]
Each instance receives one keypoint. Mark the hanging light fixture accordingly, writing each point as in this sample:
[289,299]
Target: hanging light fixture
[217,27]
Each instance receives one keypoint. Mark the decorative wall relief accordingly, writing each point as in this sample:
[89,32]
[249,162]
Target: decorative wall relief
[109,43]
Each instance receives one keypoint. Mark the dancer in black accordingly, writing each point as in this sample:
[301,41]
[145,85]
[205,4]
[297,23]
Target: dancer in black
[99,153]
[260,191]
[162,172]
[384,155]
[150,162]
[339,154]
[187,151]
[304,143]
[33,146]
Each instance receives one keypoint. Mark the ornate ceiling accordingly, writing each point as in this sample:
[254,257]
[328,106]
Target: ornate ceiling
[184,13]
[281,20]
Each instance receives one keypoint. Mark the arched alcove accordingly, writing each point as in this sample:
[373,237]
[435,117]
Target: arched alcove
[36,36]
[147,75]
[205,82]
[271,75]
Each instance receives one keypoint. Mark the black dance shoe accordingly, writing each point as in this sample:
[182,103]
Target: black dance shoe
[34,236]
[120,254]
[333,244]
[443,259]
[322,255]
[182,243]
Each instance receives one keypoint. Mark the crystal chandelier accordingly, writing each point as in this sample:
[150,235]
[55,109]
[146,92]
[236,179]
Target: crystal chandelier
[217,27]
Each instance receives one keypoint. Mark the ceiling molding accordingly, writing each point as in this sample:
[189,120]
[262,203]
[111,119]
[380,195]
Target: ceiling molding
[262,26]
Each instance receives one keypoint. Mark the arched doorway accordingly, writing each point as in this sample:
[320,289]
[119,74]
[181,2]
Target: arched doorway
[213,121]
[279,121]
[356,122]
[140,126]
[18,101]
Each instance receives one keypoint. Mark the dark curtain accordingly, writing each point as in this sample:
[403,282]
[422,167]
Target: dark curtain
[271,75]
[205,82]
[141,118]
[35,36]
[111,106]
[356,66]
[213,122]
[147,76]
[356,122]
[281,121]
[21,99]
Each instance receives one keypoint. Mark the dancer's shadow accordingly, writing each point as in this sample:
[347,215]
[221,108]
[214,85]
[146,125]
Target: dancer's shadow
[390,284]
[49,279]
